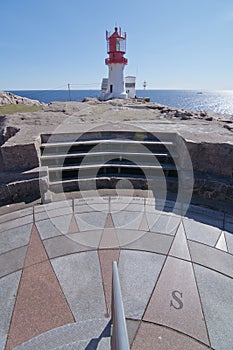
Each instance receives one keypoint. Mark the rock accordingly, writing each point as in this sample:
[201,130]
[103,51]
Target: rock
[228,121]
[228,127]
[9,132]
[155,106]
[7,98]
[203,114]
[92,100]
[184,115]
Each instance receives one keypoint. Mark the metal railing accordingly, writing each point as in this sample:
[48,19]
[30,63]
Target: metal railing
[119,339]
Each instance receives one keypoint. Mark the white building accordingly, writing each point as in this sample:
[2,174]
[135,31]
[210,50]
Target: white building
[130,83]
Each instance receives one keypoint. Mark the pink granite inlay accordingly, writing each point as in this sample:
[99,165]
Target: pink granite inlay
[106,258]
[109,236]
[144,224]
[40,305]
[151,336]
[73,226]
[36,252]
[109,222]
[175,302]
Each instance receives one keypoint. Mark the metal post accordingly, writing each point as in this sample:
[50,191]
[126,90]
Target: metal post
[119,340]
[69,92]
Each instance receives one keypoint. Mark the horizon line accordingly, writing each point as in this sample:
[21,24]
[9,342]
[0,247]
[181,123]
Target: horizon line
[91,89]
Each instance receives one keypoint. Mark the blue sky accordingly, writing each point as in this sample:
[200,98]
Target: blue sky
[172,44]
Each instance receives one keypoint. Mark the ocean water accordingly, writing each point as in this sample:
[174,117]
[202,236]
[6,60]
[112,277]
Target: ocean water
[218,101]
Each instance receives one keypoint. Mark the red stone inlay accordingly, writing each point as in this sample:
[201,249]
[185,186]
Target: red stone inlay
[36,252]
[109,237]
[73,226]
[144,224]
[106,258]
[40,304]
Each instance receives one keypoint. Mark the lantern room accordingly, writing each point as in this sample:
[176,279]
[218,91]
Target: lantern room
[116,47]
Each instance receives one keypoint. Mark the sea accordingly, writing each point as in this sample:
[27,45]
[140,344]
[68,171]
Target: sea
[217,101]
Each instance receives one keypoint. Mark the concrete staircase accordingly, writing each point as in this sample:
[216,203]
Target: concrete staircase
[74,161]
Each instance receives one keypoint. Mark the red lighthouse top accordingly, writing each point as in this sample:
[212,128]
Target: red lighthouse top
[116,47]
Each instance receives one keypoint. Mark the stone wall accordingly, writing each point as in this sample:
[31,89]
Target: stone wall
[214,189]
[212,158]
[19,157]
[26,190]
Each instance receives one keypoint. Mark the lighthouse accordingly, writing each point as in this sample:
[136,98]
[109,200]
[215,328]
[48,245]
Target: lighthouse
[114,86]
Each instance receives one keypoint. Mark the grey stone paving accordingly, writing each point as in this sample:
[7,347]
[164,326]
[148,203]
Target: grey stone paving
[53,213]
[47,229]
[80,278]
[8,291]
[64,205]
[8,225]
[202,233]
[212,258]
[86,205]
[132,327]
[104,344]
[118,204]
[138,272]
[163,223]
[89,239]
[126,237]
[62,245]
[152,242]
[70,336]
[16,215]
[127,220]
[15,238]
[91,221]
[54,226]
[12,261]
[217,300]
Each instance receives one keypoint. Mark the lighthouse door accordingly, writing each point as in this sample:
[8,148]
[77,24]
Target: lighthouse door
[111,88]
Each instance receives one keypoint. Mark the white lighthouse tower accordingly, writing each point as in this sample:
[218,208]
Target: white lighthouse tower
[114,87]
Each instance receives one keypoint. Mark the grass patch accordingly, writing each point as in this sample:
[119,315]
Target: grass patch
[20,108]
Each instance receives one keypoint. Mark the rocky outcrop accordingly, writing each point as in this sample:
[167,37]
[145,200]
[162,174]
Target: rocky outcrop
[6,133]
[7,98]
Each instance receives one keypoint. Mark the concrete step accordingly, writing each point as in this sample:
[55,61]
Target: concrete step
[138,156]
[111,165]
[105,141]
[62,156]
